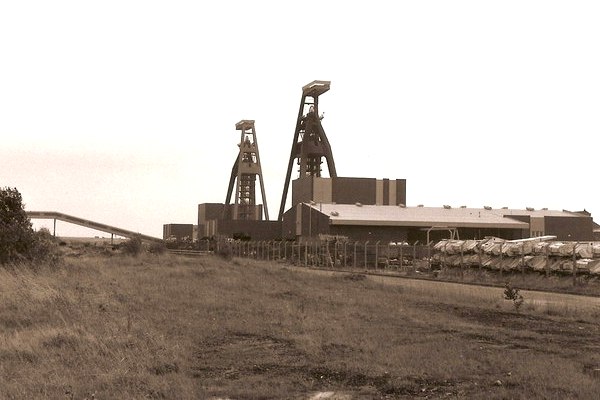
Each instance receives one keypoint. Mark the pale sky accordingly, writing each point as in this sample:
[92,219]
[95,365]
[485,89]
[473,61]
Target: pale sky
[124,112]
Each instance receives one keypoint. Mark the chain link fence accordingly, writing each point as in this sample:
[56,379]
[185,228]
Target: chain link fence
[377,256]
[336,254]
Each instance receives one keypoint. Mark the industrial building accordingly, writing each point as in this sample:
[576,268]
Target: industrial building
[411,224]
[180,232]
[354,207]
[342,190]
[215,219]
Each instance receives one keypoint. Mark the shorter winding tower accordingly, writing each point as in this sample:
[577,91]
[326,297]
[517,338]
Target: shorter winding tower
[246,169]
[310,144]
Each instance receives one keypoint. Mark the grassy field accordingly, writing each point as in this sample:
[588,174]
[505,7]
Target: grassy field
[105,326]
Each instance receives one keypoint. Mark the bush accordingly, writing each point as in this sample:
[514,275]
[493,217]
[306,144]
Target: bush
[158,248]
[513,294]
[16,233]
[45,247]
[225,251]
[132,246]
[18,241]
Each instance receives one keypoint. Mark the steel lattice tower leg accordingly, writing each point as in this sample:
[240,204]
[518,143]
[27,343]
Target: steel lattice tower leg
[244,172]
[310,144]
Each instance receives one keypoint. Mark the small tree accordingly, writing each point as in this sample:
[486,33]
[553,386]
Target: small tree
[16,234]
[511,293]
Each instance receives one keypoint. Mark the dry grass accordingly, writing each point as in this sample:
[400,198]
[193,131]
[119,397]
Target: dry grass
[556,282]
[200,328]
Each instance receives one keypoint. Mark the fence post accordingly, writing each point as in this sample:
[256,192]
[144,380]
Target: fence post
[501,257]
[547,266]
[462,266]
[335,253]
[366,252]
[445,252]
[429,256]
[575,264]
[401,256]
[522,258]
[354,260]
[479,255]
[345,253]
[414,256]
[305,253]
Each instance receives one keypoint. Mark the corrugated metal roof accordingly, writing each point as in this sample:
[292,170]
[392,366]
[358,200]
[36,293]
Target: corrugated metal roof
[350,214]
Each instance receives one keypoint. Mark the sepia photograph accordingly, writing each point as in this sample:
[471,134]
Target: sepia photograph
[299,201]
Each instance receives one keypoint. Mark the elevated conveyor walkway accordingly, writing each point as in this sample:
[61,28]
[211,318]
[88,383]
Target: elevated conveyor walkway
[89,224]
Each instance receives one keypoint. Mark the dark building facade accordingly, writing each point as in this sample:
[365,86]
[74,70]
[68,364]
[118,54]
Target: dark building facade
[340,190]
[178,231]
[215,219]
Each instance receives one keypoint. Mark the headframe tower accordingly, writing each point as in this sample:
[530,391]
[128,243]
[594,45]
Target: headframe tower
[310,143]
[244,172]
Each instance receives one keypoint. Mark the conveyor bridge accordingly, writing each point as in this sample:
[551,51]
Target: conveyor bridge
[89,224]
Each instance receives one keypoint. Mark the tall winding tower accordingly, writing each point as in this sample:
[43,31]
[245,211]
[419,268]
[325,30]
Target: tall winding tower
[310,144]
[244,172]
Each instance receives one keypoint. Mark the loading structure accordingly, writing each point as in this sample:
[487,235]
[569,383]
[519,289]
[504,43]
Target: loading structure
[244,172]
[310,144]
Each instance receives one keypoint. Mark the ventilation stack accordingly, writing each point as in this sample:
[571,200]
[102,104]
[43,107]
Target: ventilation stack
[244,172]
[310,144]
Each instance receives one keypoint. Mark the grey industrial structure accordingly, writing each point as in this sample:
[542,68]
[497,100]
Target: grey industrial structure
[359,208]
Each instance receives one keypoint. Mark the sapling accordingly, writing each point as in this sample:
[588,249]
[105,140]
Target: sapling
[511,293]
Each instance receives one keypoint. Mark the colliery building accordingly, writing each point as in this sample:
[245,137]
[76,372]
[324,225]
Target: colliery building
[341,190]
[180,232]
[357,208]
[410,224]
[216,219]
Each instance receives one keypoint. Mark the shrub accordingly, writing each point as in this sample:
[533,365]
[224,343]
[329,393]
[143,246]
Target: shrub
[45,247]
[513,294]
[132,246]
[157,247]
[18,241]
[225,251]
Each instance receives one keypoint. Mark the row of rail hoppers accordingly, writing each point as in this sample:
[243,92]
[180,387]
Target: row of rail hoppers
[539,254]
